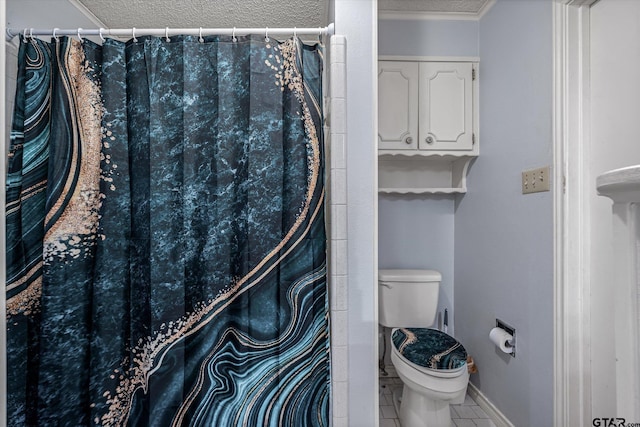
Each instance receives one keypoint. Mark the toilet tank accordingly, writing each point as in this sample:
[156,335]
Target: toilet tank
[408,298]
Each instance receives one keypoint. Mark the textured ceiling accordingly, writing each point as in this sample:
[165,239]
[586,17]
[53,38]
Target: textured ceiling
[249,13]
[437,6]
[209,13]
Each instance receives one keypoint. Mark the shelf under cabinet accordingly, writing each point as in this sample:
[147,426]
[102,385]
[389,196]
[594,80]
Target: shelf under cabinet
[422,190]
[422,174]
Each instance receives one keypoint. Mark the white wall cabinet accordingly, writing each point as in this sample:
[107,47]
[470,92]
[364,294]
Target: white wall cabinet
[427,125]
[446,106]
[398,105]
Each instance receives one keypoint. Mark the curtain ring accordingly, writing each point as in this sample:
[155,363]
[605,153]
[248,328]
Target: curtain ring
[80,37]
[200,39]
[24,35]
[266,34]
[166,34]
[133,34]
[101,36]
[31,34]
[295,32]
[233,35]
[54,33]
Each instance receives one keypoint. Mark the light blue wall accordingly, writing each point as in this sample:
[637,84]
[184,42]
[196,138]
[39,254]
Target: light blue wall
[428,38]
[501,262]
[418,232]
[504,240]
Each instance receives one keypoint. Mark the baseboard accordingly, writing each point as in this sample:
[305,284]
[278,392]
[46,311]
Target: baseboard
[499,419]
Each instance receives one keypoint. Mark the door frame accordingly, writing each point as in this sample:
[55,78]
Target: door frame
[572,325]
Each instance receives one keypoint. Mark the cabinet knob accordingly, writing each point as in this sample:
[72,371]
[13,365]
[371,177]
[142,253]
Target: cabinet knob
[408,140]
[429,140]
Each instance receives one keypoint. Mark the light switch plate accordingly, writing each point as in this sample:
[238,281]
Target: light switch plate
[536,180]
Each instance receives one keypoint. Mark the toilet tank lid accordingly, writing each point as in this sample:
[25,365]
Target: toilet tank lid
[409,276]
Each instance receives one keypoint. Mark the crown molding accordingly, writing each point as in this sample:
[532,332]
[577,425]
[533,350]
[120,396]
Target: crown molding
[577,2]
[486,8]
[439,16]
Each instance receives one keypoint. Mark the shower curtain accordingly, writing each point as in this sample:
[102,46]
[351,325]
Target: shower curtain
[165,234]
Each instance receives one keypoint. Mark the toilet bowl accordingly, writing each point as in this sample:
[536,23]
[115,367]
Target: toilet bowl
[430,363]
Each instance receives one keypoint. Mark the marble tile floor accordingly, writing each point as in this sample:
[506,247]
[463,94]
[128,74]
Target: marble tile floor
[469,414]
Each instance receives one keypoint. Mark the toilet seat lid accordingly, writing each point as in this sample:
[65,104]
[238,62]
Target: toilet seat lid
[429,348]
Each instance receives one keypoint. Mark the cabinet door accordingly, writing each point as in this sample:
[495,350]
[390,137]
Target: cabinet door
[446,106]
[397,105]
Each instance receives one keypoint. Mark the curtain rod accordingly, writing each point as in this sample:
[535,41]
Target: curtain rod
[168,32]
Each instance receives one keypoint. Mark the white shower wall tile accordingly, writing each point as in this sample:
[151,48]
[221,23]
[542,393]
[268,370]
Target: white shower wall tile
[339,293]
[338,120]
[337,221]
[339,361]
[339,257]
[338,152]
[340,422]
[338,81]
[339,329]
[338,187]
[341,405]
[338,51]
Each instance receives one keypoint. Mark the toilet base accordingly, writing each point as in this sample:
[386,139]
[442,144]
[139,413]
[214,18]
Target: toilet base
[416,410]
[427,394]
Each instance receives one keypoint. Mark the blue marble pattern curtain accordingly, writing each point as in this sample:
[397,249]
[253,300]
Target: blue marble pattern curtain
[165,234]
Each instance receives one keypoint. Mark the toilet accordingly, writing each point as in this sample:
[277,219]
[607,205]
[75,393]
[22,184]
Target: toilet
[431,364]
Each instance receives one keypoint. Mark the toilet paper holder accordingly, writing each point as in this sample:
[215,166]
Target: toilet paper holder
[512,331]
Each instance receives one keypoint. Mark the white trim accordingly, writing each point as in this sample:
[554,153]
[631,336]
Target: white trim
[578,2]
[572,368]
[499,419]
[86,12]
[427,16]
[435,16]
[376,339]
[429,58]
[335,97]
[488,5]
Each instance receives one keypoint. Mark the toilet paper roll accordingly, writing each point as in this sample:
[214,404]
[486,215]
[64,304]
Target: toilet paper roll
[500,337]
